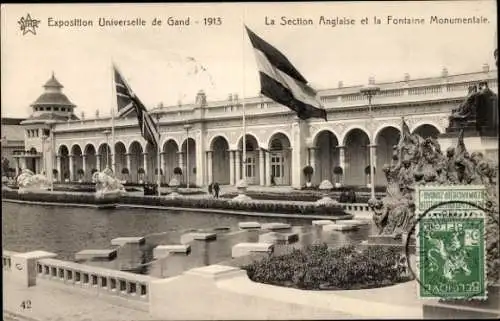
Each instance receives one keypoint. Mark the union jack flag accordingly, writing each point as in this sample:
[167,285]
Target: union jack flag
[128,102]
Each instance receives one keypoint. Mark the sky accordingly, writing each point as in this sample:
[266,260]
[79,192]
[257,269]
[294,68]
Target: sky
[159,62]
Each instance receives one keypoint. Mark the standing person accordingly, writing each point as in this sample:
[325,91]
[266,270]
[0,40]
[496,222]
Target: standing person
[216,189]
[210,189]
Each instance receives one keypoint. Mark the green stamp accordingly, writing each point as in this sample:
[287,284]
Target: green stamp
[451,242]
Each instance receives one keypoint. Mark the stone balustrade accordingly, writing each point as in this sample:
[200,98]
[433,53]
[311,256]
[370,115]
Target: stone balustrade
[128,285]
[355,207]
[7,259]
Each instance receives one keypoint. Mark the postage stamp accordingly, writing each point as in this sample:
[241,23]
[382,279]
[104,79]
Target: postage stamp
[451,242]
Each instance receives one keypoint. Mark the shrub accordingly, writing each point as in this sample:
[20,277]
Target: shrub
[80,172]
[55,172]
[318,267]
[367,170]
[125,171]
[177,171]
[93,171]
[141,171]
[337,170]
[308,172]
[156,171]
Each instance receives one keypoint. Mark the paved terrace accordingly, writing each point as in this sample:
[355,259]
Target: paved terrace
[52,300]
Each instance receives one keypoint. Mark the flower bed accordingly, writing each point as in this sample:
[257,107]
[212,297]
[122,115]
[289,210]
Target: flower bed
[304,196]
[223,204]
[319,268]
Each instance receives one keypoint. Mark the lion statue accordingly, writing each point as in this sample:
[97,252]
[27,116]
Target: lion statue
[107,184]
[28,180]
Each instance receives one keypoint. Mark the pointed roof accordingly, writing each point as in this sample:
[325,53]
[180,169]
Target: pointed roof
[53,82]
[53,97]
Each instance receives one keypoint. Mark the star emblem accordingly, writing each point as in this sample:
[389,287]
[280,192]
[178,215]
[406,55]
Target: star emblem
[28,25]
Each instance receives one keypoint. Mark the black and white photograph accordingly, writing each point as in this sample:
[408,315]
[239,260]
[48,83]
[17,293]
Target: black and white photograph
[250,161]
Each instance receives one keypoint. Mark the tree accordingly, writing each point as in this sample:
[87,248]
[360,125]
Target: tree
[5,166]
[125,171]
[177,171]
[308,172]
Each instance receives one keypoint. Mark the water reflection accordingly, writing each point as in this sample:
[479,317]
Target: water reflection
[68,230]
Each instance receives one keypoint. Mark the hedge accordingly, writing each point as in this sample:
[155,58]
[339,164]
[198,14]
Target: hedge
[210,203]
[304,196]
[319,268]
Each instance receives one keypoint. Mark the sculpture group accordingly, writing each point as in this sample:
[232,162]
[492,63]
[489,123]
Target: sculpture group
[417,161]
[106,184]
[27,180]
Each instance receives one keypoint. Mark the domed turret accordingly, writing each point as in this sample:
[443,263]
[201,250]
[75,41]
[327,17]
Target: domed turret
[53,104]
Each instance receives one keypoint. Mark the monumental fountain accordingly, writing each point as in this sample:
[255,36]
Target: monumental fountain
[420,162]
[108,188]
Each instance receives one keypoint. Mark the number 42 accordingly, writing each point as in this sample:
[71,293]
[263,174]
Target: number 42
[26,304]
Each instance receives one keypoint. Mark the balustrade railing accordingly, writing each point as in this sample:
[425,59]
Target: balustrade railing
[6,259]
[129,285]
[355,207]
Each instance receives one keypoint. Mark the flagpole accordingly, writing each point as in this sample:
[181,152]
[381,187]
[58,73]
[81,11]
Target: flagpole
[113,91]
[244,155]
[158,159]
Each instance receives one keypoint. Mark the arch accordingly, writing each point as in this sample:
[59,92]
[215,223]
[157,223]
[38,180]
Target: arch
[63,153]
[280,158]
[89,148]
[171,158]
[169,139]
[321,131]
[151,165]
[62,150]
[77,153]
[121,160]
[249,136]
[350,130]
[325,157]
[252,164]
[386,139]
[426,130]
[384,128]
[218,136]
[220,160]
[90,155]
[104,153]
[189,163]
[357,156]
[135,152]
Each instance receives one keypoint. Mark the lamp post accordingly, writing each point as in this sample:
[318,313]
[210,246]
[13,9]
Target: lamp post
[107,132]
[51,124]
[370,91]
[44,154]
[187,127]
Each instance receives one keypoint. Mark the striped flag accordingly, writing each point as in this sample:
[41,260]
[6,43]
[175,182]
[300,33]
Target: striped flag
[128,102]
[281,82]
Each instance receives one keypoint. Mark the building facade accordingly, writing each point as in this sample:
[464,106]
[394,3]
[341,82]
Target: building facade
[12,143]
[205,138]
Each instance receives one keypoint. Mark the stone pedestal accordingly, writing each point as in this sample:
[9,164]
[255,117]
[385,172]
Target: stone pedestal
[391,241]
[461,309]
[24,266]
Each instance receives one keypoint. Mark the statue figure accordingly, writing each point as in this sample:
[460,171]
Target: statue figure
[467,108]
[107,184]
[479,111]
[27,180]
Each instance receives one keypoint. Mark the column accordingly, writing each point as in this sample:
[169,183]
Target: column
[209,167]
[312,162]
[17,166]
[128,160]
[71,167]
[162,164]
[98,162]
[373,162]
[268,168]
[262,169]
[84,165]
[231,167]
[342,162]
[59,174]
[145,166]
[237,165]
[181,161]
